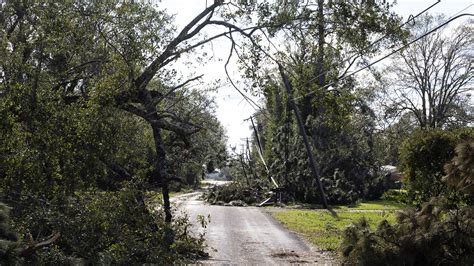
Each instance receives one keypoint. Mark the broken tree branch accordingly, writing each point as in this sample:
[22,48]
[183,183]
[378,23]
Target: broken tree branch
[34,246]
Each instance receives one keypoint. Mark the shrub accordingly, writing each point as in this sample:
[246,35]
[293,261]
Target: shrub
[422,158]
[8,238]
[433,236]
[396,195]
[108,228]
[460,171]
[440,233]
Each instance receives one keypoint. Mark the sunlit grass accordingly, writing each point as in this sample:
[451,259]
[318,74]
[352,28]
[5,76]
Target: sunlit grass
[373,205]
[365,205]
[322,228]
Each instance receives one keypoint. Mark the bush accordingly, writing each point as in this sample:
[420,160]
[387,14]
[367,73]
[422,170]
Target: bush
[108,228]
[8,238]
[460,171]
[433,236]
[396,195]
[440,233]
[422,158]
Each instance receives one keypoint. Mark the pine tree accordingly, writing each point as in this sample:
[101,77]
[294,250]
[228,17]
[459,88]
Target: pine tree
[441,232]
[8,238]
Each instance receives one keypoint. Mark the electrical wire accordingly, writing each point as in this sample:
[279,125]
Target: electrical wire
[256,107]
[355,57]
[388,55]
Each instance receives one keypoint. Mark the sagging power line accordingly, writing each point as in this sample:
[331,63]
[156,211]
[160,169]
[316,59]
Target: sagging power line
[388,55]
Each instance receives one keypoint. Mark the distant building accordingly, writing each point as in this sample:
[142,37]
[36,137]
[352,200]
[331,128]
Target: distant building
[393,177]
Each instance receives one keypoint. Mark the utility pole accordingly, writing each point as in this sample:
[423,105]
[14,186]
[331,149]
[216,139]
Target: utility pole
[311,160]
[260,152]
[250,160]
[241,156]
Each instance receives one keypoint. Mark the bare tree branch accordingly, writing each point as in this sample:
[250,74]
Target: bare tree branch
[172,90]
[142,81]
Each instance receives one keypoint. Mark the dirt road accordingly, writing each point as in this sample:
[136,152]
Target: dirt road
[249,235]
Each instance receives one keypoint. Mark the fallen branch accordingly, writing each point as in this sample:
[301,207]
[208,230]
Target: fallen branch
[34,246]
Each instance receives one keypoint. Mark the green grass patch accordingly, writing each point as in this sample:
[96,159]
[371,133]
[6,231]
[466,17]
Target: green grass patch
[382,205]
[322,228]
[374,205]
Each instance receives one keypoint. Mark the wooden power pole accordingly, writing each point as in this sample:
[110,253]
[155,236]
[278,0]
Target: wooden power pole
[311,160]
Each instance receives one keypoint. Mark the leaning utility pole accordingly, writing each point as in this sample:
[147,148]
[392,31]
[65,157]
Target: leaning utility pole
[311,160]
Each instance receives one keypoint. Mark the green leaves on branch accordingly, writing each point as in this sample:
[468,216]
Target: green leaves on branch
[422,158]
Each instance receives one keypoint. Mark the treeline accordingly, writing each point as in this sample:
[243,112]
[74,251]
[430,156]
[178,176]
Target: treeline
[357,124]
[94,114]
[78,160]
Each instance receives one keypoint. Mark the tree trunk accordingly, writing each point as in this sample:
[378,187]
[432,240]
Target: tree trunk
[160,169]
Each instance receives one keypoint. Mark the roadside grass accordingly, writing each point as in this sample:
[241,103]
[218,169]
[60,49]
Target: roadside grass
[325,230]
[322,228]
[382,204]
[373,205]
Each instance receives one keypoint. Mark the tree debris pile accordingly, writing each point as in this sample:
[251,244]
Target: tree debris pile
[105,228]
[238,193]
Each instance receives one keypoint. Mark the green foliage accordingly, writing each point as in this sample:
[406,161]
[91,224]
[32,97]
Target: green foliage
[396,195]
[389,141]
[439,233]
[460,171]
[122,227]
[338,120]
[344,154]
[434,235]
[422,158]
[59,78]
[8,238]
[186,156]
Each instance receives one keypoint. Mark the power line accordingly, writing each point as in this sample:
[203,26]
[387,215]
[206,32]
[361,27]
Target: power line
[354,57]
[257,107]
[251,102]
[388,55]
[462,10]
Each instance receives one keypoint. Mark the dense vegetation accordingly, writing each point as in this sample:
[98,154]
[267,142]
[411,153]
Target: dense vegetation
[422,158]
[75,158]
[98,115]
[441,232]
